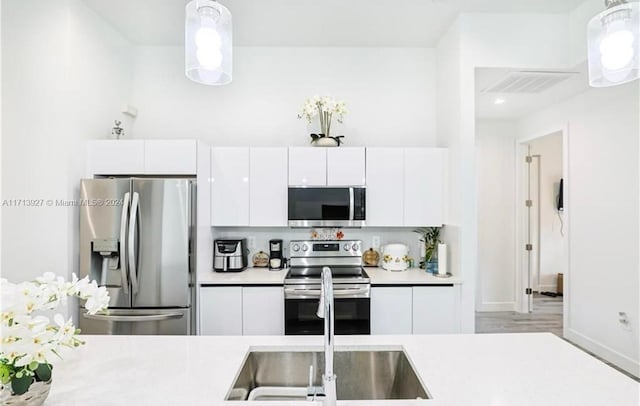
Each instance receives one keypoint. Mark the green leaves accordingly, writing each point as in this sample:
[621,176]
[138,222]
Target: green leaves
[43,372]
[20,384]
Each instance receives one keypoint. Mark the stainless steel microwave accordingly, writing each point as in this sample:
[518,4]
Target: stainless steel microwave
[327,206]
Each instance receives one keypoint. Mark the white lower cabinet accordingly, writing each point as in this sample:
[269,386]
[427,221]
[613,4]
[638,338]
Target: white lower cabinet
[435,309]
[221,310]
[391,309]
[263,310]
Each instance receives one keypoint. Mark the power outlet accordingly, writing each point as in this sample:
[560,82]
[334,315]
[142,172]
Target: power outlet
[623,319]
[251,242]
[375,241]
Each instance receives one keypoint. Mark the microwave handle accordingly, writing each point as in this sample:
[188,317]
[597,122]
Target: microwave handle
[351,204]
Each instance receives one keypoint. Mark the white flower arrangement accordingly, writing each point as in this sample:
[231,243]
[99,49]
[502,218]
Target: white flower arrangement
[28,341]
[324,108]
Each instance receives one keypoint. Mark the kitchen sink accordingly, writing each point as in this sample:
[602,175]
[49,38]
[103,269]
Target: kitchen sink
[361,375]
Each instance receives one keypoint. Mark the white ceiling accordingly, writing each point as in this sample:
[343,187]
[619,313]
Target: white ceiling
[518,105]
[382,23]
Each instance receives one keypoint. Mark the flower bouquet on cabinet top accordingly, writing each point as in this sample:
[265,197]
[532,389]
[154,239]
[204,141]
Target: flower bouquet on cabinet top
[325,108]
[30,342]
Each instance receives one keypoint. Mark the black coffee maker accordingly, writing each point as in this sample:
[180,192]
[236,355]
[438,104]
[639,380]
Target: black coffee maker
[276,258]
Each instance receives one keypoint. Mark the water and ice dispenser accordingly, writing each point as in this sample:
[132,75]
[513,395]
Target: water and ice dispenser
[105,257]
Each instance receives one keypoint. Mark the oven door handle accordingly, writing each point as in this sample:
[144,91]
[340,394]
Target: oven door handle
[293,293]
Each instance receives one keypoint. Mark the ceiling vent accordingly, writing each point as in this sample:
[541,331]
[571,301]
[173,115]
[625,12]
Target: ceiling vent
[528,82]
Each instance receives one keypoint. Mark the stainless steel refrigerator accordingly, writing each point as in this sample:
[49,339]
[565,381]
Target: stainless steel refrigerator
[136,238]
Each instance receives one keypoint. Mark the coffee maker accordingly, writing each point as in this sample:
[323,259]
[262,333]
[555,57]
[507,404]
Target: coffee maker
[276,259]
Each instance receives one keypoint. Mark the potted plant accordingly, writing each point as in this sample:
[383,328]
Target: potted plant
[30,341]
[431,239]
[325,108]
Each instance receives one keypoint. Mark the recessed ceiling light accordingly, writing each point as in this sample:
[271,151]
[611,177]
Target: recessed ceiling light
[499,101]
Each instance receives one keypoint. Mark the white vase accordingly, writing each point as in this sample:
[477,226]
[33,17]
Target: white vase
[325,142]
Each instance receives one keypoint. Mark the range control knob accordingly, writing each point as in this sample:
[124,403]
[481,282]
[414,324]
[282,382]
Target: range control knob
[346,247]
[355,247]
[305,247]
[295,248]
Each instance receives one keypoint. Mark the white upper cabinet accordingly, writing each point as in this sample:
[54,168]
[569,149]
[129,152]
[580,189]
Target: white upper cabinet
[229,186]
[170,157]
[346,166]
[424,186]
[116,157]
[385,187]
[142,157]
[307,166]
[268,187]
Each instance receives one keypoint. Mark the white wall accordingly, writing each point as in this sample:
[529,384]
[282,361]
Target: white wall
[66,74]
[390,94]
[495,177]
[603,214]
[550,229]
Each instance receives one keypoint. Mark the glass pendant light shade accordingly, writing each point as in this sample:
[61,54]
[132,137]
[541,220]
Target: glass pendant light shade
[614,44]
[208,51]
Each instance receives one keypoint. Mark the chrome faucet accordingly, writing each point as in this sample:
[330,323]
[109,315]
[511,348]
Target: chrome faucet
[325,311]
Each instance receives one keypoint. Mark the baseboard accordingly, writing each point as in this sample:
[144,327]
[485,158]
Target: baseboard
[496,307]
[620,360]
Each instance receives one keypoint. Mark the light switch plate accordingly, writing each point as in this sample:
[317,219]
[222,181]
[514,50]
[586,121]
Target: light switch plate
[375,241]
[251,242]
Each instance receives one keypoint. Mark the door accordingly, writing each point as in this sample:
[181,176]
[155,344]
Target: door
[103,231]
[532,244]
[262,310]
[307,166]
[159,241]
[115,157]
[268,187]
[170,157]
[391,310]
[230,186]
[346,166]
[138,322]
[385,187]
[221,310]
[424,186]
[435,309]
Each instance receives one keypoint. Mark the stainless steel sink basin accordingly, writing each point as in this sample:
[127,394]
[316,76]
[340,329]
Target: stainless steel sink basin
[362,375]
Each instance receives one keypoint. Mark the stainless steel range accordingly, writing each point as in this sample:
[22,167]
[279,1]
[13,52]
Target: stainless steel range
[351,284]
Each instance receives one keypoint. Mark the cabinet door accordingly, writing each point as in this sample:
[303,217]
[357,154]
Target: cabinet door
[229,186]
[435,309]
[346,166]
[385,187]
[391,309]
[221,310]
[115,157]
[268,187]
[263,310]
[424,183]
[170,157]
[307,166]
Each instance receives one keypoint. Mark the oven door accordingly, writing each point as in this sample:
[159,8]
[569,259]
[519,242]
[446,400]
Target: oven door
[352,314]
[326,207]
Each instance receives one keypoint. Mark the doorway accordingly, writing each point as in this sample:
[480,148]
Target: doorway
[542,224]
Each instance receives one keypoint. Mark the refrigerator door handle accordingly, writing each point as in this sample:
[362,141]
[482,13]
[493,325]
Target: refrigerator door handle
[133,259]
[134,318]
[123,236]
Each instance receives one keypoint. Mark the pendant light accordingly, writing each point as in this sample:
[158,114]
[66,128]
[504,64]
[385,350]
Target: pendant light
[614,44]
[208,52]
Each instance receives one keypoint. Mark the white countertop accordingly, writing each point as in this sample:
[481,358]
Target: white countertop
[379,276]
[461,370]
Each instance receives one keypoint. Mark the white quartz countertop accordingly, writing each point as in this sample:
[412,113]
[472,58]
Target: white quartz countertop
[477,370]
[379,276]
